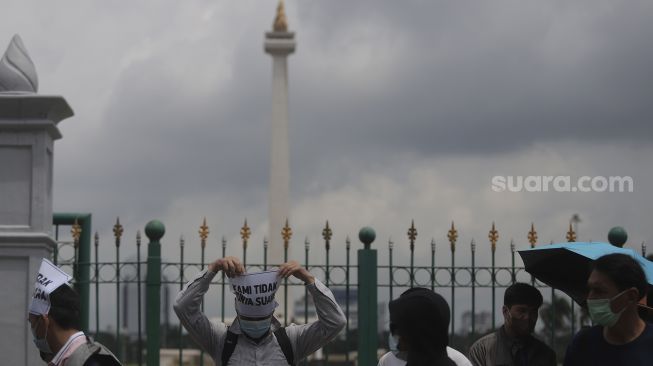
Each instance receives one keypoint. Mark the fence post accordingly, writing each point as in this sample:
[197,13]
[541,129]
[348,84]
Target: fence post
[83,273]
[154,231]
[367,299]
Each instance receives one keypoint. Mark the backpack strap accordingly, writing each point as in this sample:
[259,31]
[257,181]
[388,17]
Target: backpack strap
[92,353]
[284,343]
[229,346]
[280,334]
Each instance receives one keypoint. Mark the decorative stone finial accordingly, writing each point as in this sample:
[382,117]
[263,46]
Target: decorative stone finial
[367,235]
[280,21]
[155,230]
[17,71]
[617,236]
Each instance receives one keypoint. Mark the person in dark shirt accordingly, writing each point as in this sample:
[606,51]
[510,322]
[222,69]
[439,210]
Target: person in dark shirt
[513,344]
[616,285]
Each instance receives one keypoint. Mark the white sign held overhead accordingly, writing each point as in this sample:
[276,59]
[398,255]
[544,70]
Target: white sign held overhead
[255,293]
[49,278]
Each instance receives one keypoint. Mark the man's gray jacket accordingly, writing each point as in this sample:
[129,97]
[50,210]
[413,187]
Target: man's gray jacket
[92,354]
[498,349]
[304,339]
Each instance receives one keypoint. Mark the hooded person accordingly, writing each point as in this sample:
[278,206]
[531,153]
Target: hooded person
[419,318]
[54,319]
[256,337]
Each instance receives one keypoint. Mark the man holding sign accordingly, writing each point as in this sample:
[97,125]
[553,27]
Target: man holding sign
[256,337]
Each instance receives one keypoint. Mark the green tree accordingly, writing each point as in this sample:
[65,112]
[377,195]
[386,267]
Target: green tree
[556,319]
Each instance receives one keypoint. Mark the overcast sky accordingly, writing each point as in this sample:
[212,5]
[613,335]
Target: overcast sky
[399,110]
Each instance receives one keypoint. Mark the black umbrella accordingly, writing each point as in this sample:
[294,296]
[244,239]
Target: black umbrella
[567,266]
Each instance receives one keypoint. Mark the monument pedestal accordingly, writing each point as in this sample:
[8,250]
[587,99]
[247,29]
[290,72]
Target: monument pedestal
[28,129]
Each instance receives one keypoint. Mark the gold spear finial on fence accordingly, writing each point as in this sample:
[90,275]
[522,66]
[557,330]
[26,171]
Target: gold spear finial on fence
[286,234]
[493,236]
[245,232]
[532,236]
[76,232]
[452,235]
[327,233]
[412,234]
[204,233]
[117,231]
[571,235]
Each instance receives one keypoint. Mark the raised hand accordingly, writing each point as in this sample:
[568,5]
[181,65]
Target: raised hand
[231,266]
[293,268]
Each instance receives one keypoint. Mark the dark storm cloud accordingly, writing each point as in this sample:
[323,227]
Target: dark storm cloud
[180,95]
[376,79]
[199,142]
[479,77]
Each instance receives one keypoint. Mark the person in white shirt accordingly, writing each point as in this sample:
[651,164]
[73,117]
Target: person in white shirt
[397,358]
[256,337]
[54,319]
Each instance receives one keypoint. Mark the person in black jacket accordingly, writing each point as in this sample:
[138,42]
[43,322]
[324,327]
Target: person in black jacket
[420,318]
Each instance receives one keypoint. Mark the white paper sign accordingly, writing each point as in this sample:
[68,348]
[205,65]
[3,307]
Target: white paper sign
[255,293]
[49,278]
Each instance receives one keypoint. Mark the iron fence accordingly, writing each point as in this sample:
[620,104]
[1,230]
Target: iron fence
[356,282]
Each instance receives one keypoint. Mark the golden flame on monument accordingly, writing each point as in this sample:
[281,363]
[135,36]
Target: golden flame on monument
[280,21]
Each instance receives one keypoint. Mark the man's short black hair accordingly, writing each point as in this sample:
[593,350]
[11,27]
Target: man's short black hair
[520,293]
[64,307]
[624,271]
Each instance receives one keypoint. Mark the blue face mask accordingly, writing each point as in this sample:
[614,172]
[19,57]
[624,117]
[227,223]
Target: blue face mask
[601,311]
[255,328]
[393,344]
[41,343]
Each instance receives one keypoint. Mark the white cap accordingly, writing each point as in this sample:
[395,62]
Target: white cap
[50,277]
[255,293]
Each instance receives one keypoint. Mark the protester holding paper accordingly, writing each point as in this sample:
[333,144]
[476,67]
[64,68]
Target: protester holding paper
[256,337]
[54,319]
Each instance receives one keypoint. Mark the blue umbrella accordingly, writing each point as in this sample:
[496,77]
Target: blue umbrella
[567,266]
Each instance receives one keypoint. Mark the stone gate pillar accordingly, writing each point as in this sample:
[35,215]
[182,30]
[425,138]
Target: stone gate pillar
[28,129]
